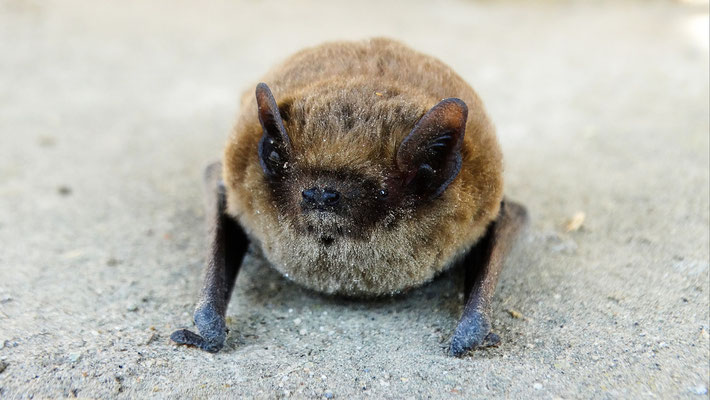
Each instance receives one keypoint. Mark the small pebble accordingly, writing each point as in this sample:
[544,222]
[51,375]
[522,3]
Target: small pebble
[537,386]
[302,332]
[3,365]
[112,262]
[700,389]
[297,321]
[574,223]
[153,337]
[74,357]
[46,141]
[328,395]
[64,190]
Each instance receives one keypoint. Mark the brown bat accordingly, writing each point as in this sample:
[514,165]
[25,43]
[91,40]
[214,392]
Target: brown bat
[366,170]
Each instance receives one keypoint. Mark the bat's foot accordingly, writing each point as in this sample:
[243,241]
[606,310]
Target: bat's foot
[473,331]
[213,331]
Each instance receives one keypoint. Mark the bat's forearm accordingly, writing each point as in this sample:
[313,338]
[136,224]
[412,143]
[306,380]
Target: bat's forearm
[227,248]
[483,264]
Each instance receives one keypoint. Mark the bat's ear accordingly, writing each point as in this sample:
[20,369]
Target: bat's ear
[429,158]
[275,146]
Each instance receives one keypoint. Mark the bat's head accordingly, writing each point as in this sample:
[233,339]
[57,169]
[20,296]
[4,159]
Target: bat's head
[339,170]
[352,186]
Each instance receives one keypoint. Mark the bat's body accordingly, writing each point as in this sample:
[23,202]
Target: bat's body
[369,169]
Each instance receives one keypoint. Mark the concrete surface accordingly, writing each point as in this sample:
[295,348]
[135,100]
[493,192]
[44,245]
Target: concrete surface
[110,110]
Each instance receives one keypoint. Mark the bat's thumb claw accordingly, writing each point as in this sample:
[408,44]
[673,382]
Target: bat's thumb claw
[183,336]
[188,338]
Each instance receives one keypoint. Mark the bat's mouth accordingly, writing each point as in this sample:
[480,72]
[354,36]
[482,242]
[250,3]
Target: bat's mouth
[324,227]
[324,234]
[326,240]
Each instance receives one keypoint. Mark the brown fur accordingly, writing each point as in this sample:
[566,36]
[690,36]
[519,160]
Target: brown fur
[346,107]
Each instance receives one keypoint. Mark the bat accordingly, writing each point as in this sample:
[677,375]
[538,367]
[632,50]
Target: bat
[363,169]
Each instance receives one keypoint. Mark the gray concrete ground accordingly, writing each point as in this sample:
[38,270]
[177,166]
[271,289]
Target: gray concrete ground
[110,111]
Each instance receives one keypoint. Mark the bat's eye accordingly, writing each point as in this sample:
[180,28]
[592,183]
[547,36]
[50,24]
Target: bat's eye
[382,193]
[272,158]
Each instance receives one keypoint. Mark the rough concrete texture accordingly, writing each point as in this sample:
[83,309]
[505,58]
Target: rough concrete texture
[110,111]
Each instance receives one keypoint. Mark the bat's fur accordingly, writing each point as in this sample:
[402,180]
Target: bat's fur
[346,108]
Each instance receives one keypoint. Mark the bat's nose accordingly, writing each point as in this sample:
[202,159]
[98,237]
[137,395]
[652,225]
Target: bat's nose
[320,198]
